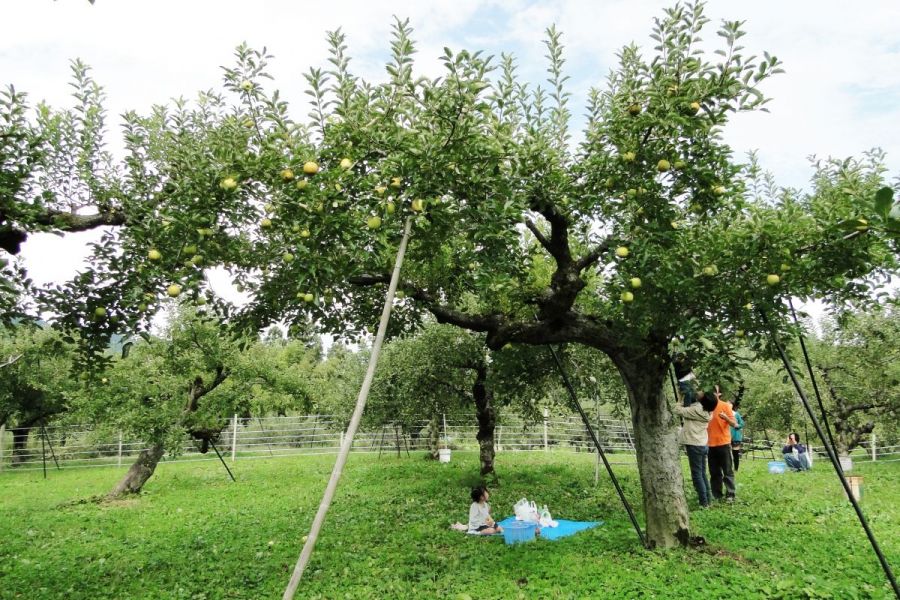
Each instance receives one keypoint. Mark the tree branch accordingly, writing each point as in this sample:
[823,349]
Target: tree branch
[70,222]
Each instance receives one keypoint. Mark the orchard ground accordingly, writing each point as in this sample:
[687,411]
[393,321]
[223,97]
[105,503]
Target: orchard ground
[194,534]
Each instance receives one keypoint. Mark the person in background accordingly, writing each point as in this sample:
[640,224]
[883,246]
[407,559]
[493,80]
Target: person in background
[480,520]
[694,437]
[687,381]
[799,462]
[737,435]
[720,467]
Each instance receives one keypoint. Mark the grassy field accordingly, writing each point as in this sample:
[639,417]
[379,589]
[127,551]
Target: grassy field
[194,534]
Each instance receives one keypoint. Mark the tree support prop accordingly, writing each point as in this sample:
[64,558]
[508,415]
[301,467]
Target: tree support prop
[341,460]
[211,443]
[831,455]
[600,452]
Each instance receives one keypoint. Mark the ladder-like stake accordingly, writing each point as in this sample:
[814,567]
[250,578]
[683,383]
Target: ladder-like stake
[354,423]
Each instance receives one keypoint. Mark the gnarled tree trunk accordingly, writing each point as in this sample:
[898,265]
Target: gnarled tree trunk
[487,419]
[656,443]
[20,444]
[139,472]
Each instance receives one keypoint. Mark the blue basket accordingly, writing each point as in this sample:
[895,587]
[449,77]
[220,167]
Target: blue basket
[776,467]
[518,532]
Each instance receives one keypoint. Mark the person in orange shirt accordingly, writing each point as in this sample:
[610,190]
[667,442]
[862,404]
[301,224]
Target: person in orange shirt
[721,469]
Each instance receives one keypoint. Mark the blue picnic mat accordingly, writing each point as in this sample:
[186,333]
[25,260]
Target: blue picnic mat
[564,529]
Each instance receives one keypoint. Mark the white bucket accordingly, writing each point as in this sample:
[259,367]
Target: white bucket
[444,455]
[846,463]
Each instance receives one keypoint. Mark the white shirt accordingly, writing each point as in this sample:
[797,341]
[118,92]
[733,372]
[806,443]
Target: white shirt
[479,513]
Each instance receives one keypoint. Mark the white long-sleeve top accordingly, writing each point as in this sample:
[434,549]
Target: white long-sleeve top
[479,513]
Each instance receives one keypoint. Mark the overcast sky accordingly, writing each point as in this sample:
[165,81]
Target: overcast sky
[839,96]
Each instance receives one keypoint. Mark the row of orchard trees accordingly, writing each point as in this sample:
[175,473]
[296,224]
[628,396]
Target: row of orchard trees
[644,237]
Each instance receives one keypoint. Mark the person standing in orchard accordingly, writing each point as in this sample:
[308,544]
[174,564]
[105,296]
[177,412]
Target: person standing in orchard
[737,435]
[720,467]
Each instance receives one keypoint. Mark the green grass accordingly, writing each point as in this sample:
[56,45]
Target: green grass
[194,534]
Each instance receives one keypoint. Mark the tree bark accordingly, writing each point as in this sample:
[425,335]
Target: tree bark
[487,419]
[20,443]
[139,472]
[656,444]
[434,437]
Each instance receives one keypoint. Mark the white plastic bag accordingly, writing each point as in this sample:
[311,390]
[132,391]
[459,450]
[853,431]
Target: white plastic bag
[545,520]
[527,511]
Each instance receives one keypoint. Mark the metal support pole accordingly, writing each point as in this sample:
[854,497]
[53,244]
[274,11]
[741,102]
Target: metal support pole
[233,440]
[831,455]
[43,455]
[546,414]
[119,460]
[2,440]
[874,456]
[587,424]
[50,445]
[222,460]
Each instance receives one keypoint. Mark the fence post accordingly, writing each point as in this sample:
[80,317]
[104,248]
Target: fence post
[499,437]
[234,438]
[546,441]
[874,451]
[444,417]
[119,461]
[342,439]
[2,440]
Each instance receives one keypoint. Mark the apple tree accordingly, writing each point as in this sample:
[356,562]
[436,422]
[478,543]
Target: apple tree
[641,234]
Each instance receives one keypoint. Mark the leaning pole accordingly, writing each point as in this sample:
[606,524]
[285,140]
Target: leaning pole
[354,423]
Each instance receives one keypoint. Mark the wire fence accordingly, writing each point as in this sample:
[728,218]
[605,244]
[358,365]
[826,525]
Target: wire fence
[74,446]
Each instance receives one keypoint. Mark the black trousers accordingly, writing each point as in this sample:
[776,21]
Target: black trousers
[721,471]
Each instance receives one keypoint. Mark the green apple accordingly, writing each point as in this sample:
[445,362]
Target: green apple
[678,165]
[773,279]
[287,174]
[190,249]
[629,156]
[246,85]
[663,165]
[310,167]
[694,107]
[380,190]
[622,251]
[301,184]
[99,312]
[739,333]
[634,110]
[307,297]
[636,282]
[346,163]
[287,257]
[390,207]
[417,205]
[265,223]
[197,260]
[154,254]
[304,233]
[374,222]
[719,190]
[785,267]
[228,184]
[173,290]
[710,270]
[396,182]
[627,297]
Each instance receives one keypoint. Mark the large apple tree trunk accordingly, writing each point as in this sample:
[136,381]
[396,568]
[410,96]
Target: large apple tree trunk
[487,419]
[139,472]
[20,444]
[656,443]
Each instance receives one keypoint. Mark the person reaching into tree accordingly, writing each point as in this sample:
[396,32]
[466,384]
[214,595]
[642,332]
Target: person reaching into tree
[694,437]
[720,467]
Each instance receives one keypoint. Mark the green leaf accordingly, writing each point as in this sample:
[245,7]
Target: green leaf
[884,198]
